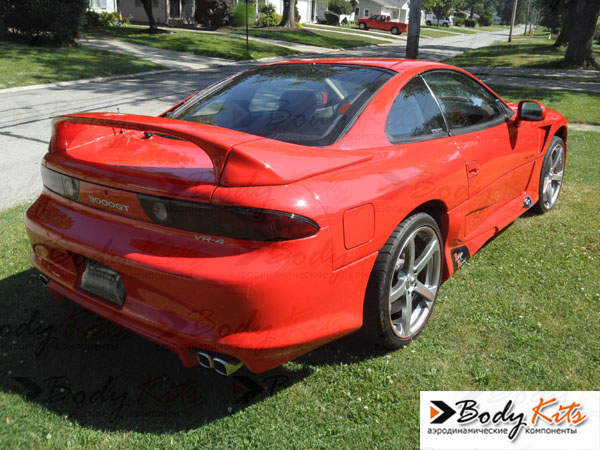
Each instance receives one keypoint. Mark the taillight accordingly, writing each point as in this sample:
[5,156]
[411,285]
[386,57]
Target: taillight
[228,221]
[61,184]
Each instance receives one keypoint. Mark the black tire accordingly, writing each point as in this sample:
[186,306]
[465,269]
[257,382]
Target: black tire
[383,322]
[362,26]
[428,23]
[552,172]
[395,31]
[446,24]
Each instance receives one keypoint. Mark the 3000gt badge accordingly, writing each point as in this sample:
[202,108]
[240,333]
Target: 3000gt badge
[104,202]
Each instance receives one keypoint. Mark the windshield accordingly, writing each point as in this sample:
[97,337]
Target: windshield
[307,104]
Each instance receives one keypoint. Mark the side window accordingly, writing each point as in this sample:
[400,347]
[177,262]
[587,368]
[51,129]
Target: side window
[463,100]
[414,113]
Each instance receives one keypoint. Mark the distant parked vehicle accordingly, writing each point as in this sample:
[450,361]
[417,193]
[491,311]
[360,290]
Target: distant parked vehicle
[447,22]
[382,22]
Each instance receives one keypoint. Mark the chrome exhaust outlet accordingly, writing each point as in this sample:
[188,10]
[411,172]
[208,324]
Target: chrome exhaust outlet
[44,279]
[205,360]
[227,366]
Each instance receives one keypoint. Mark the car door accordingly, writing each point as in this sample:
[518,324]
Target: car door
[498,155]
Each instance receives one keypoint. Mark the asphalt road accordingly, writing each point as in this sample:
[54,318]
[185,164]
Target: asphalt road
[26,114]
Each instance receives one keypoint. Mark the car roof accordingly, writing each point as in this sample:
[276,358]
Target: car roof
[397,65]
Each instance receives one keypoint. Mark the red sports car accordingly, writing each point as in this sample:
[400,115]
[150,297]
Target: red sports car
[289,205]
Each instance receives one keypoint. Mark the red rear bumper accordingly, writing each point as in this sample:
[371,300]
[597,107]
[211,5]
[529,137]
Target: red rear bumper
[263,303]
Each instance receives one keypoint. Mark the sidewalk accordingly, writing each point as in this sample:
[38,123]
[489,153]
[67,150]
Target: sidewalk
[167,58]
[592,75]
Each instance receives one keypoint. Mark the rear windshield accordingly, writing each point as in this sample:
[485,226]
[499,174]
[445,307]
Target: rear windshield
[307,104]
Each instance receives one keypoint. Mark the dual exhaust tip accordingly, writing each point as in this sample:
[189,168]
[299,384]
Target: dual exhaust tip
[223,365]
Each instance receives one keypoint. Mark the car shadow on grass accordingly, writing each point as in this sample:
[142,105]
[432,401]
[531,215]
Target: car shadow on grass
[74,363]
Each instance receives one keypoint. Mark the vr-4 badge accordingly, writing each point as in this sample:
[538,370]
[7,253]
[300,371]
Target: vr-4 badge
[209,239]
[527,202]
[460,256]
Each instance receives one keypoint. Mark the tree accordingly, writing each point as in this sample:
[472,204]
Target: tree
[579,51]
[287,19]
[439,8]
[414,29]
[147,4]
[473,6]
[340,7]
[214,13]
[568,20]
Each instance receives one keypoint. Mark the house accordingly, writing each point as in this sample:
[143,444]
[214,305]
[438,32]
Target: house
[310,10]
[104,5]
[396,9]
[166,12]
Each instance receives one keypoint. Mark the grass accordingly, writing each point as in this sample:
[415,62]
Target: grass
[327,39]
[576,106]
[524,51]
[456,30]
[522,314]
[495,27]
[24,65]
[206,44]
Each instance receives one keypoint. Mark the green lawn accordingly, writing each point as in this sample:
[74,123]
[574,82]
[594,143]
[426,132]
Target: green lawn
[456,30]
[524,51]
[577,107]
[495,27]
[522,314]
[327,39]
[206,44]
[23,65]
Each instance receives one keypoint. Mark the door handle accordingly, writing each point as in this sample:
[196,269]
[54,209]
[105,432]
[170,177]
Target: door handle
[472,168]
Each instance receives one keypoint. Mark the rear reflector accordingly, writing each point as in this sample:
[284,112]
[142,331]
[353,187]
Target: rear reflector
[228,221]
[61,184]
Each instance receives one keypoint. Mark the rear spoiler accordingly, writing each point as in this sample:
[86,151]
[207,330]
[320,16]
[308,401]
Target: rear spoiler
[251,160]
[215,142]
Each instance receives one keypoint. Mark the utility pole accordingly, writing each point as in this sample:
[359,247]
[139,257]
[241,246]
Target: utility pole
[512,20]
[414,29]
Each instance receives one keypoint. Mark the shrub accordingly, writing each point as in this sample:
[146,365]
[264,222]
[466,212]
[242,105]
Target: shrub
[239,14]
[61,19]
[268,16]
[345,21]
[91,19]
[215,13]
[340,7]
[458,21]
[486,19]
[331,18]
[296,12]
[470,23]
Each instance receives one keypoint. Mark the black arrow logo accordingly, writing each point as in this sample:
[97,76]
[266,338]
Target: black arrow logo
[446,412]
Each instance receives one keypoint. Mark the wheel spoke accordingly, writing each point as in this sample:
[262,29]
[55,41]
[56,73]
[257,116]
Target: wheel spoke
[410,248]
[399,290]
[406,314]
[556,162]
[426,256]
[558,176]
[428,293]
[548,188]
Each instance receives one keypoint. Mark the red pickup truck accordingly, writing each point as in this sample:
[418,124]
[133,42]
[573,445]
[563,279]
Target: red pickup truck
[382,22]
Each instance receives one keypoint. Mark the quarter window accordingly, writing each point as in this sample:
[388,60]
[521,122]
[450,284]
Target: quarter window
[414,114]
[464,101]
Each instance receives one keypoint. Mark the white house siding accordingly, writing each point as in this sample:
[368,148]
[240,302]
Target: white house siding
[103,5]
[134,11]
